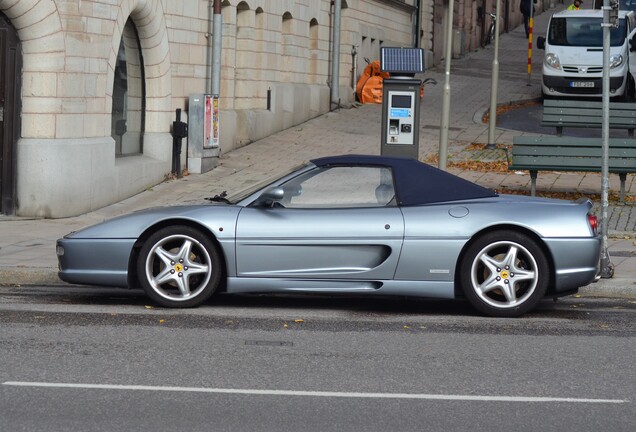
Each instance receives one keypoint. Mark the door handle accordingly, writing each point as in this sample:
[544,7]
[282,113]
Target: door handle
[1,113]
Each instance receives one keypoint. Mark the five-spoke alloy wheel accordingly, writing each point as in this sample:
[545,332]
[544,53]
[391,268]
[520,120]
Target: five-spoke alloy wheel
[504,274]
[179,266]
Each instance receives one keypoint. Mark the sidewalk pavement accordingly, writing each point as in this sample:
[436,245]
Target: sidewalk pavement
[27,246]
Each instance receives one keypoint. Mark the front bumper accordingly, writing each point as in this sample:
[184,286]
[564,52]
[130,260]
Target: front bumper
[562,86]
[94,261]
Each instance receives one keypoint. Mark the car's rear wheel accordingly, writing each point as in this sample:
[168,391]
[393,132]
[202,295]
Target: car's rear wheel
[179,266]
[504,274]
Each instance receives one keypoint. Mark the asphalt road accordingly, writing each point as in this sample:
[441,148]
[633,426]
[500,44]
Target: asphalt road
[103,359]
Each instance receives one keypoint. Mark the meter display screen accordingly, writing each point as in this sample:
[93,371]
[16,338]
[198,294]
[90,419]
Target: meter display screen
[400,112]
[401,101]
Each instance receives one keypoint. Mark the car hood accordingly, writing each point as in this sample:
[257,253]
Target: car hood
[132,225]
[584,56]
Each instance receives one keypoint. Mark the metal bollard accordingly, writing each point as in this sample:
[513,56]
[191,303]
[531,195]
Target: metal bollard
[179,131]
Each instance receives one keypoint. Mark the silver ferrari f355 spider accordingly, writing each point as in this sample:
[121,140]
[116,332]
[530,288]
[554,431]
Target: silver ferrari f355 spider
[354,224]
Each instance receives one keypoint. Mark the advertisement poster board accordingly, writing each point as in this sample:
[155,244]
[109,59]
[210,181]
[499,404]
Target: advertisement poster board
[211,130]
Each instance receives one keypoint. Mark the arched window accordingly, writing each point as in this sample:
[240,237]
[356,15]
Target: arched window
[129,95]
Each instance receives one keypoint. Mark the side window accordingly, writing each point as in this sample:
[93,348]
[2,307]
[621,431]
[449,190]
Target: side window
[340,187]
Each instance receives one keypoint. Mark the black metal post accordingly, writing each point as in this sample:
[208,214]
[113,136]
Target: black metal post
[179,131]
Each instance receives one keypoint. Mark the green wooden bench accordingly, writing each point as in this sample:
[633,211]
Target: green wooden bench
[554,153]
[562,113]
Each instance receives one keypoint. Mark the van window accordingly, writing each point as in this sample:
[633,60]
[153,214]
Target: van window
[583,32]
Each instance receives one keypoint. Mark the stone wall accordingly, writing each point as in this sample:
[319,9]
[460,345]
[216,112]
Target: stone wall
[66,162]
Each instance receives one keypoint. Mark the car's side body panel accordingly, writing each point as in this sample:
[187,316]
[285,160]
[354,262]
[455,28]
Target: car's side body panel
[416,288]
[436,234]
[319,243]
[465,219]
[429,259]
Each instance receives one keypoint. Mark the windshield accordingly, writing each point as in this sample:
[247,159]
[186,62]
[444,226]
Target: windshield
[239,196]
[583,31]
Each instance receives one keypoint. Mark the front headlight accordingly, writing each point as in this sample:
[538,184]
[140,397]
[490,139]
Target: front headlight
[615,61]
[552,60]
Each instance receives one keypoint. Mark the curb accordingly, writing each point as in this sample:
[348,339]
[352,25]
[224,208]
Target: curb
[29,276]
[612,288]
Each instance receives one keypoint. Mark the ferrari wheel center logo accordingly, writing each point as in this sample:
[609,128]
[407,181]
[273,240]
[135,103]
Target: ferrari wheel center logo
[178,267]
[505,274]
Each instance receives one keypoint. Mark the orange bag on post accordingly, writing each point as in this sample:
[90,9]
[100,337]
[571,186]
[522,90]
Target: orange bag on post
[369,87]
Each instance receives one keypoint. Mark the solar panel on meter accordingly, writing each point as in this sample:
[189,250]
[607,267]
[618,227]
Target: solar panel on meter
[402,60]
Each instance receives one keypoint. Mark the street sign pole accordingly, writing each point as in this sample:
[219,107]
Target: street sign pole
[492,123]
[530,26]
[606,267]
[445,121]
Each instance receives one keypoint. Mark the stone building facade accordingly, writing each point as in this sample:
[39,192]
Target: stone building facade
[89,88]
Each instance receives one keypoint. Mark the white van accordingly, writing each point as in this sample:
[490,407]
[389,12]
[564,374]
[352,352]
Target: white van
[573,61]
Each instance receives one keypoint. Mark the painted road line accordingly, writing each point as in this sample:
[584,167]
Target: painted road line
[255,392]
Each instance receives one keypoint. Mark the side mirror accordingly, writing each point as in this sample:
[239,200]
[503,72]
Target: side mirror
[541,42]
[269,197]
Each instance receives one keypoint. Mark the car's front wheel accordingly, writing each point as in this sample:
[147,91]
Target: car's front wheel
[504,274]
[179,266]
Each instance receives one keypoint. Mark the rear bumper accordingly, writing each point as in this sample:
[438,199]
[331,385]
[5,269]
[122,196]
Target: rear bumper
[576,261]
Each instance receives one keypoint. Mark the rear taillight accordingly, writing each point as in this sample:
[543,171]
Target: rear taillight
[593,221]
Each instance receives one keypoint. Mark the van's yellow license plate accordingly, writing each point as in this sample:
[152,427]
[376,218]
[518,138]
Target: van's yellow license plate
[582,84]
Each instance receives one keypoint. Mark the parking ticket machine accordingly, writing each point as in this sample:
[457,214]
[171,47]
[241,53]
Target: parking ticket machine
[401,101]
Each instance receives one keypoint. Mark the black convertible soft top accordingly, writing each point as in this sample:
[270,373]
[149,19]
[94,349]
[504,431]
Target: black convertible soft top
[416,183]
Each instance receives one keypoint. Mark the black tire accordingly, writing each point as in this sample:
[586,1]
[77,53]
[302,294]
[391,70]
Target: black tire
[504,274]
[179,267]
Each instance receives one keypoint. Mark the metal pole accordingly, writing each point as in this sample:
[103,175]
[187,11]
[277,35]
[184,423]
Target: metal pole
[448,44]
[418,25]
[530,26]
[208,51]
[335,54]
[495,82]
[354,67]
[216,49]
[607,269]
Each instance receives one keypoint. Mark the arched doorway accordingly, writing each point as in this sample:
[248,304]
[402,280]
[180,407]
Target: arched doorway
[10,107]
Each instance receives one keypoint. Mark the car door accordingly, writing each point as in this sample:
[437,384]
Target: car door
[332,223]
